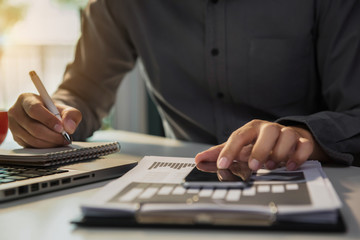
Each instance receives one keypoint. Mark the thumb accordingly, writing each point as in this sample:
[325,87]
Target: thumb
[71,117]
[209,155]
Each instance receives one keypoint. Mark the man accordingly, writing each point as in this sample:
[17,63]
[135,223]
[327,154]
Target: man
[212,67]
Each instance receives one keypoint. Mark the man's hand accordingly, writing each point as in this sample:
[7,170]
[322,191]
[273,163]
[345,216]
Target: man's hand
[263,143]
[33,125]
[236,169]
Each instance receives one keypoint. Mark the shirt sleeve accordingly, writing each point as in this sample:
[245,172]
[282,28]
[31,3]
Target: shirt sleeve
[337,36]
[104,54]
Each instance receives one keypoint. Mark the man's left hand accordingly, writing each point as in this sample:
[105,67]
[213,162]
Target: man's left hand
[262,143]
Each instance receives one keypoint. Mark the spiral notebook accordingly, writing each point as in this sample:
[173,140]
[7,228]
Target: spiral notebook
[77,151]
[28,172]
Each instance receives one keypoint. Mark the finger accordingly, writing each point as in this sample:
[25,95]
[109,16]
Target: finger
[264,145]
[270,164]
[71,117]
[285,145]
[27,140]
[245,153]
[301,154]
[20,141]
[207,166]
[233,147]
[35,109]
[210,154]
[22,122]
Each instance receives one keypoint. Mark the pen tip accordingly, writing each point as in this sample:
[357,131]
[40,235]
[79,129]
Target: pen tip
[32,73]
[67,137]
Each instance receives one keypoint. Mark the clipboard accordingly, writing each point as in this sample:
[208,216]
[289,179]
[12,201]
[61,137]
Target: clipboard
[276,200]
[273,225]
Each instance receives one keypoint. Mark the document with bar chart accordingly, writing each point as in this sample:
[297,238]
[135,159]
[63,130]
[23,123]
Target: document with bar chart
[152,192]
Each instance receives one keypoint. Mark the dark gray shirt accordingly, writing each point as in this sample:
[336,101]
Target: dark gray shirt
[212,66]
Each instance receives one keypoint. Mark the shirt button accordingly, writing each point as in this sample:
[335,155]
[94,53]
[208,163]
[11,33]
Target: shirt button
[214,1]
[215,52]
[220,95]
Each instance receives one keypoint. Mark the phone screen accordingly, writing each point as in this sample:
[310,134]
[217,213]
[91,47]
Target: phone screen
[206,174]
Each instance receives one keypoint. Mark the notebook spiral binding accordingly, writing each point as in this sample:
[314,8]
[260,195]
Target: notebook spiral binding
[75,155]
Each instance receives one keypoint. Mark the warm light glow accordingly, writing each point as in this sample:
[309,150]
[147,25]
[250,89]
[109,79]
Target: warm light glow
[46,22]
[43,40]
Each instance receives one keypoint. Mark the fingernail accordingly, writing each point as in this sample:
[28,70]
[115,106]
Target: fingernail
[222,163]
[254,164]
[291,166]
[270,164]
[70,126]
[58,128]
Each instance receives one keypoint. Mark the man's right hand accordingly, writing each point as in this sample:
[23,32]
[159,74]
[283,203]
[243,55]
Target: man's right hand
[33,125]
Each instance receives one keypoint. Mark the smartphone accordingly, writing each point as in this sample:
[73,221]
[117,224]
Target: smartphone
[207,175]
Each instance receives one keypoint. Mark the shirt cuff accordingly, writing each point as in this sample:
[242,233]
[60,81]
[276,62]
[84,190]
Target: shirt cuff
[334,155]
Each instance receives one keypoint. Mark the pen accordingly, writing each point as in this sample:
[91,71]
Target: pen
[47,100]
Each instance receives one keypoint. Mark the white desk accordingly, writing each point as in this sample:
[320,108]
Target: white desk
[48,216]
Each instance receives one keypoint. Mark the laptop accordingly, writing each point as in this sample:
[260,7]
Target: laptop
[23,181]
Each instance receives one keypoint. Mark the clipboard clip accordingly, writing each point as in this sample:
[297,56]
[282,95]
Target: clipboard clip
[210,217]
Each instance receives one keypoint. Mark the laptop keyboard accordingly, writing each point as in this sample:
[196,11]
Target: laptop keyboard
[17,173]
